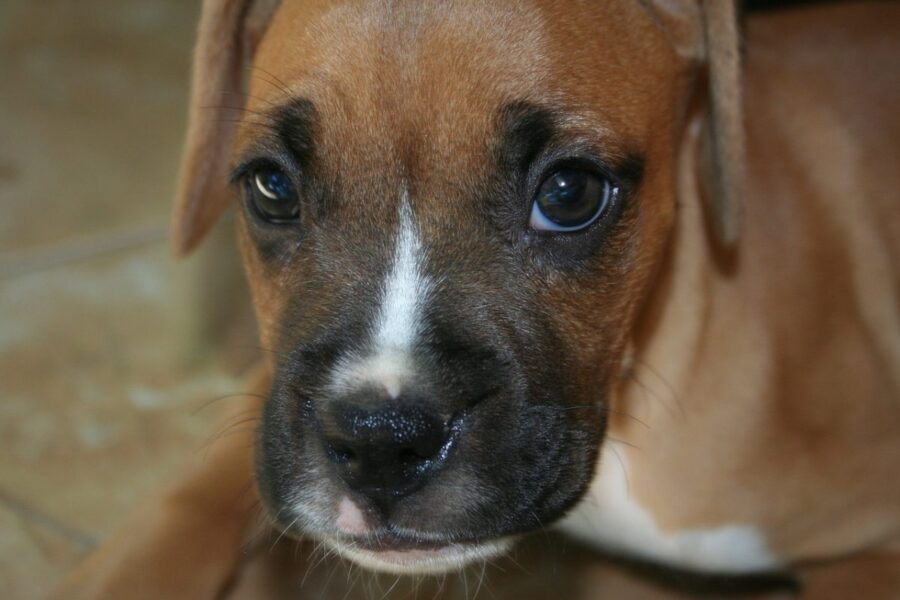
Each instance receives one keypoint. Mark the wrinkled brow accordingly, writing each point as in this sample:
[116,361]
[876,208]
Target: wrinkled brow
[295,123]
[524,129]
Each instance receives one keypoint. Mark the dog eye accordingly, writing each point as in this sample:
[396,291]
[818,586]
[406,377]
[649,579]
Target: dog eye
[570,200]
[273,195]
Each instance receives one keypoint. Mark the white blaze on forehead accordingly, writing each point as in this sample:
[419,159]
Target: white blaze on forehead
[405,288]
[398,317]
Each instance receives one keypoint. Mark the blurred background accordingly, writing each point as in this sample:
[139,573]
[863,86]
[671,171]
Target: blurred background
[109,351]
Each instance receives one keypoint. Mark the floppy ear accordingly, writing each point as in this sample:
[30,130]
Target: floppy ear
[227,37]
[723,160]
[706,33]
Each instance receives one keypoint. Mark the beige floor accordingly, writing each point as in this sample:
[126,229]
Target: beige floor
[104,360]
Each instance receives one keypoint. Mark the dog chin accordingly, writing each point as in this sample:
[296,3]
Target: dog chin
[432,561]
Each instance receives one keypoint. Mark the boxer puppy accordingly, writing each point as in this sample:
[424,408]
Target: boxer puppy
[449,232]
[489,243]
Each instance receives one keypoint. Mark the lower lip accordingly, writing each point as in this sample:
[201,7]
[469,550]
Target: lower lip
[422,561]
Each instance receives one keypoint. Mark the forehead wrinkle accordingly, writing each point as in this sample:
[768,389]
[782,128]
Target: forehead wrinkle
[413,84]
[294,122]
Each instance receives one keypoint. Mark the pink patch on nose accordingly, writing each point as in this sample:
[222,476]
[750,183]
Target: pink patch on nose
[350,519]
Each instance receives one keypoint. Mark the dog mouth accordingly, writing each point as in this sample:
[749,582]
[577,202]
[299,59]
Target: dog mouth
[402,554]
[397,542]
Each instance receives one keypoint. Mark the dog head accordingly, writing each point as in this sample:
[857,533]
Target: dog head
[450,214]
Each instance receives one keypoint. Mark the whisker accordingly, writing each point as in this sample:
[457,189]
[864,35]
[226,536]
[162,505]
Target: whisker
[240,418]
[664,381]
[623,442]
[600,407]
[261,522]
[649,393]
[241,109]
[312,560]
[247,122]
[277,353]
[208,403]
[248,96]
[626,415]
[350,585]
[244,431]
[624,470]
[512,558]
[480,579]
[322,549]
[337,565]
[391,589]
[230,430]
[283,531]
[465,578]
[270,78]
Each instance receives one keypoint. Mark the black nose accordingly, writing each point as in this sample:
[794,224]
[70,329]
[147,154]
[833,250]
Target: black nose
[384,451]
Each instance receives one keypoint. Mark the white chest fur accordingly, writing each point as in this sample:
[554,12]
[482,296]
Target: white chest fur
[610,519]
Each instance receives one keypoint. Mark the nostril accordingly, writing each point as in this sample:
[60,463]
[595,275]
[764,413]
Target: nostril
[416,457]
[409,458]
[409,455]
[429,444]
[381,449]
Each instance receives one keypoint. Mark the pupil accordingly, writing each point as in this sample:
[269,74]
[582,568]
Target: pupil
[569,189]
[570,198]
[275,185]
[274,195]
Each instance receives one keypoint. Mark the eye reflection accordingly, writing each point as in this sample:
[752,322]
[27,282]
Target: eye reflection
[273,195]
[570,200]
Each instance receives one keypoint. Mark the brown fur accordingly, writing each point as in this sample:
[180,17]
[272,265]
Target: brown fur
[805,406]
[761,373]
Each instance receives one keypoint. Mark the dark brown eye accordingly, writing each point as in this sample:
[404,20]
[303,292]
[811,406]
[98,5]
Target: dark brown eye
[570,200]
[273,195]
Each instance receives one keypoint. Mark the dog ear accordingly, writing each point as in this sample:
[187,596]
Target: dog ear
[227,37]
[706,34]
[723,157]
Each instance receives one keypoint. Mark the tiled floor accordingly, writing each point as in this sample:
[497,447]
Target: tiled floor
[103,353]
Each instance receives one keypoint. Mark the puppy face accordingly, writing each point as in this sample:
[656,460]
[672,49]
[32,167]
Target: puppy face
[450,213]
